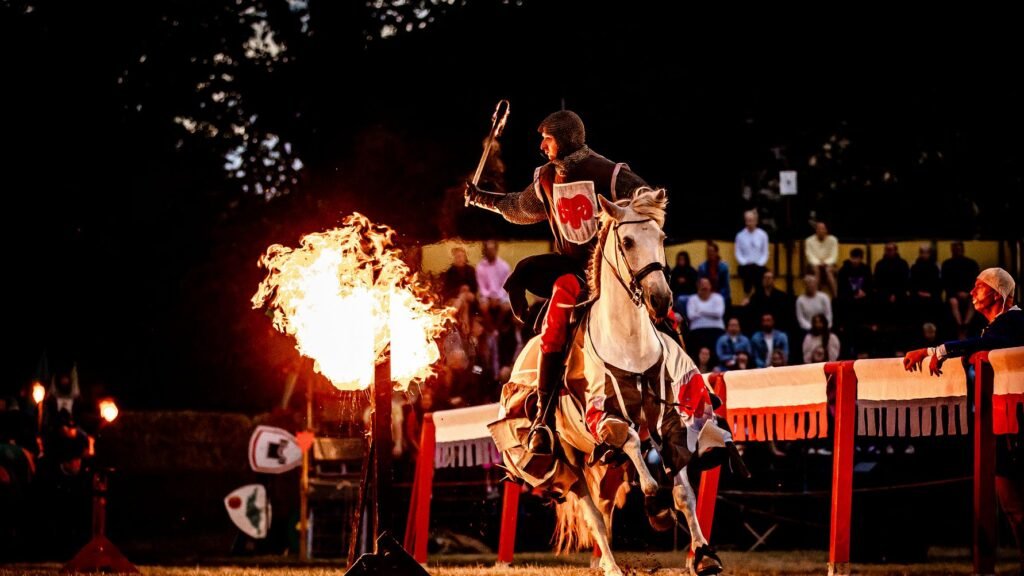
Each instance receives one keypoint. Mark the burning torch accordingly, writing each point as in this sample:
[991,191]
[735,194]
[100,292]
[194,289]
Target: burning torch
[498,120]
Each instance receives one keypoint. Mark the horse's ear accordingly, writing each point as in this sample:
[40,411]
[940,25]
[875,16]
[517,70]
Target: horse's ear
[660,195]
[611,208]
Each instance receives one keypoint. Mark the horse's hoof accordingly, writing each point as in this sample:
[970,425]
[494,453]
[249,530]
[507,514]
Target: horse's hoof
[609,567]
[706,562]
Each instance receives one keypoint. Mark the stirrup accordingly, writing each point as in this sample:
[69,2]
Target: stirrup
[541,429]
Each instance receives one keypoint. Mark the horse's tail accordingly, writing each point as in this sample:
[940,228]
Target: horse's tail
[571,530]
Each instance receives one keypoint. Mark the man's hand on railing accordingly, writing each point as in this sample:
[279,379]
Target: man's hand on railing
[913,360]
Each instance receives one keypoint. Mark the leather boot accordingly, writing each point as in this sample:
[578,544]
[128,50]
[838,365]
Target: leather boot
[550,375]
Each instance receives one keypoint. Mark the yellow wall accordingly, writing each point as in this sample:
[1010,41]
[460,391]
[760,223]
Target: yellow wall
[438,257]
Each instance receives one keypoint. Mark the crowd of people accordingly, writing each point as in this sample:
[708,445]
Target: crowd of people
[844,311]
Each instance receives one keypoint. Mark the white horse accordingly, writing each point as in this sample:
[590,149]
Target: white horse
[619,338]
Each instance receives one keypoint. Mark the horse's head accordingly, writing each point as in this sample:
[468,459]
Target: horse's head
[634,245]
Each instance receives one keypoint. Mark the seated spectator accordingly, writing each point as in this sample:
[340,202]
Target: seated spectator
[704,312]
[779,358]
[751,252]
[820,337]
[730,343]
[811,303]
[460,273]
[491,273]
[704,360]
[683,281]
[742,361]
[770,300]
[717,272]
[767,340]
[821,250]
[958,274]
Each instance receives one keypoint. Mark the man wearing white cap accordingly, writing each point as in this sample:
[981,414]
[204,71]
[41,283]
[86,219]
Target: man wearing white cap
[993,298]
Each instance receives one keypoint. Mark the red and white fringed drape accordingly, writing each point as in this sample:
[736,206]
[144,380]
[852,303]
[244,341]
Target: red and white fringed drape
[462,437]
[777,403]
[1007,389]
[894,402]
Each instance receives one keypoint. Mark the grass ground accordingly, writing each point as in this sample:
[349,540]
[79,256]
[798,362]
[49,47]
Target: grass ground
[774,563]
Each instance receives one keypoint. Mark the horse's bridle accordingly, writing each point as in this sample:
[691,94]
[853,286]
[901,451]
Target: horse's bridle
[635,291]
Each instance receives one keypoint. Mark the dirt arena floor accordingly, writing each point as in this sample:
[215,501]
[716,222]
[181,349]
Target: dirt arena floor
[774,563]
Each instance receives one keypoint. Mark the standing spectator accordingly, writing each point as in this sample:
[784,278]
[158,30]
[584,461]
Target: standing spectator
[993,298]
[821,250]
[683,281]
[491,273]
[822,337]
[705,312]
[751,252]
[460,273]
[767,340]
[770,300]
[811,303]
[958,274]
[731,343]
[853,302]
[892,278]
[925,286]
[717,272]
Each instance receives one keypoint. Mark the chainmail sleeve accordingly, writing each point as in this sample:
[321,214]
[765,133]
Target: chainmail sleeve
[522,207]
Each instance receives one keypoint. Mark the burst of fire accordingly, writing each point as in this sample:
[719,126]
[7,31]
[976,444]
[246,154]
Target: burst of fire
[108,410]
[346,295]
[38,393]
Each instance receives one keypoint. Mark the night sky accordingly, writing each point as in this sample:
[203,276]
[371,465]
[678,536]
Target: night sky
[132,250]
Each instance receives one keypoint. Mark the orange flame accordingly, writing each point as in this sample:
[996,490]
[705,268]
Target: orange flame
[38,393]
[345,294]
[108,410]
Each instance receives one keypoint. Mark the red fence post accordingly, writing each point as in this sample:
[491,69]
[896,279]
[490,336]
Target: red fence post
[509,515]
[708,492]
[842,466]
[985,536]
[418,524]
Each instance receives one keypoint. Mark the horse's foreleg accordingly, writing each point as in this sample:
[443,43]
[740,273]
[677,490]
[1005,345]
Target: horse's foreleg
[686,502]
[632,449]
[593,518]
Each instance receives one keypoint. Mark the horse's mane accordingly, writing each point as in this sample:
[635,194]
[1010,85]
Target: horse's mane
[645,203]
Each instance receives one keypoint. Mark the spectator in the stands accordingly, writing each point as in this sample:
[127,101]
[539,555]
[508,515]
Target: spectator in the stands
[811,303]
[705,311]
[751,252]
[683,281]
[958,275]
[822,337]
[730,343]
[821,250]
[767,340]
[717,272]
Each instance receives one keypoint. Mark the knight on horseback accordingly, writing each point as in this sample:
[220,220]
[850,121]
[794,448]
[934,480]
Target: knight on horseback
[565,193]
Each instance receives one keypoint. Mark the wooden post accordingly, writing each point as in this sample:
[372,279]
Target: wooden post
[382,445]
[304,478]
[985,535]
[842,466]
[509,515]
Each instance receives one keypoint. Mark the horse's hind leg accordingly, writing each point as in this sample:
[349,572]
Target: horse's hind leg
[598,529]
[705,560]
